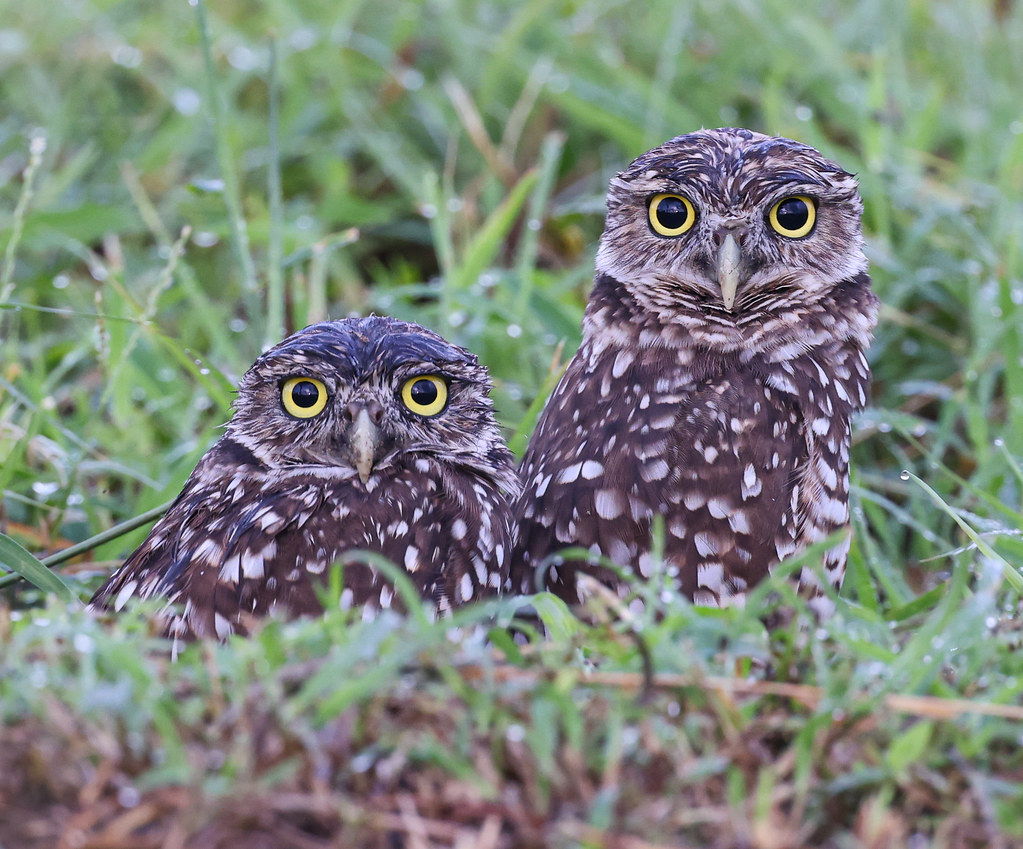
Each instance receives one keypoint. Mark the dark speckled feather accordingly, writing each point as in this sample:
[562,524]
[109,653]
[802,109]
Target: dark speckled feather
[279,499]
[730,421]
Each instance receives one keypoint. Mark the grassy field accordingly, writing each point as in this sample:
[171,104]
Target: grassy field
[181,184]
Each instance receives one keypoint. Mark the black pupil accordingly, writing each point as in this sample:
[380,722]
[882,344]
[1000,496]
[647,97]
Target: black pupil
[793,214]
[423,392]
[672,213]
[305,393]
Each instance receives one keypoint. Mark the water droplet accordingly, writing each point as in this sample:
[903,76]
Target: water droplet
[83,643]
[457,318]
[237,325]
[558,83]
[243,58]
[412,79]
[126,56]
[514,331]
[454,205]
[804,113]
[904,475]
[919,430]
[213,185]
[61,281]
[999,442]
[534,224]
[303,38]
[515,733]
[428,210]
[205,238]
[186,100]
[884,427]
[44,489]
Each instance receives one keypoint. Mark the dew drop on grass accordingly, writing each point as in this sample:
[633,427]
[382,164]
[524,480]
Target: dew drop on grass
[673,708]
[128,797]
[61,281]
[514,331]
[412,79]
[186,100]
[243,58]
[126,56]
[884,427]
[919,430]
[904,476]
[83,643]
[428,210]
[237,325]
[205,239]
[44,489]
[303,38]
[362,762]
[515,733]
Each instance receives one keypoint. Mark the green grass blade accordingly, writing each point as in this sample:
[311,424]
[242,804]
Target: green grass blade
[21,562]
[1012,575]
[232,191]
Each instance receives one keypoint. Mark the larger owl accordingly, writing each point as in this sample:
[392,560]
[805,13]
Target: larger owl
[722,358]
[365,434]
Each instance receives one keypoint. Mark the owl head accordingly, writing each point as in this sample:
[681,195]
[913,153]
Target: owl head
[366,395]
[731,225]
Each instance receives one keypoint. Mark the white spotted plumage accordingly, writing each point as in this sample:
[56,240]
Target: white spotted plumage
[726,411]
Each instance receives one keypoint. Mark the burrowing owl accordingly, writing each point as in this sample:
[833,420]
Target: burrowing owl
[364,434]
[722,358]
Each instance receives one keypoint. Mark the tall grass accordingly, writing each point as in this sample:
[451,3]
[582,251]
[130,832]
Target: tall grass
[216,174]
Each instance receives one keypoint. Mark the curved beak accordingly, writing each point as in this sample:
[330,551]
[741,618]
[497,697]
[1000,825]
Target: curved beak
[729,257]
[364,441]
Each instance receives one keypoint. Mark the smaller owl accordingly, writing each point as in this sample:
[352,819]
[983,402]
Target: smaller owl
[366,434]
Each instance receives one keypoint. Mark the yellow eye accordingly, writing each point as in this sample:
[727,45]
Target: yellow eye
[303,397]
[426,395]
[794,216]
[671,215]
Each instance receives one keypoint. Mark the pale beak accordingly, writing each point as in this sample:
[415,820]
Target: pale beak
[728,270]
[364,439]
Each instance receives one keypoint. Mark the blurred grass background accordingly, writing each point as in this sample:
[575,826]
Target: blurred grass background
[182,184]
